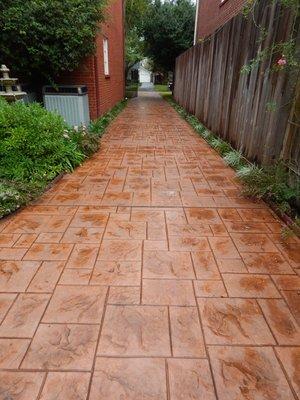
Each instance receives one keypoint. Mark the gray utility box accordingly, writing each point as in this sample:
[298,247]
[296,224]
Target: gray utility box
[70,101]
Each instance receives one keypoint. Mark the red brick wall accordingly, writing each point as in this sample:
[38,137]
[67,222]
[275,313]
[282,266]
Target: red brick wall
[104,91]
[212,15]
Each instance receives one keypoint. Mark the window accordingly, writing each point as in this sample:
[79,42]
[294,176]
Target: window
[105,56]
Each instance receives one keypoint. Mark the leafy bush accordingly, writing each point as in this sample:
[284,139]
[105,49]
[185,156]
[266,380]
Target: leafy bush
[36,146]
[270,183]
[234,159]
[44,38]
[13,194]
[199,128]
[32,143]
[220,146]
[191,119]
[207,135]
[87,142]
[168,30]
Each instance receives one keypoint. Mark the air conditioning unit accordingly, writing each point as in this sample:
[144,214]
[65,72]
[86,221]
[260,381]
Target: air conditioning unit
[70,101]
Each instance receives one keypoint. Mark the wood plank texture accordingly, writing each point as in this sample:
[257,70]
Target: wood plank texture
[234,106]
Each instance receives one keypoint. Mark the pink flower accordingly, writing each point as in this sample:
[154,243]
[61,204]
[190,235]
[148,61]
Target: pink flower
[281,62]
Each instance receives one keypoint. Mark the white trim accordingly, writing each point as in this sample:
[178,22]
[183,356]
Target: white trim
[105,56]
[196,22]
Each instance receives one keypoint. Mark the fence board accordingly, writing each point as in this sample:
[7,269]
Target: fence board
[209,84]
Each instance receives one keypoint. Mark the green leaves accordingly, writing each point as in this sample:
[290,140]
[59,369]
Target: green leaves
[14,194]
[46,37]
[269,183]
[159,30]
[234,159]
[134,48]
[168,31]
[136,12]
[36,146]
[32,143]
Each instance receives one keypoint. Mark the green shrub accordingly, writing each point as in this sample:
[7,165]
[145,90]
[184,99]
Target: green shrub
[33,143]
[191,119]
[45,38]
[13,194]
[220,146]
[36,146]
[199,128]
[208,136]
[87,142]
[269,183]
[234,159]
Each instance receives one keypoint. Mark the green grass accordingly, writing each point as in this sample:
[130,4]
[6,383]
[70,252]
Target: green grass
[162,89]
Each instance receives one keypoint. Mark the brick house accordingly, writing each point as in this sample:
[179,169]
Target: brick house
[212,14]
[103,73]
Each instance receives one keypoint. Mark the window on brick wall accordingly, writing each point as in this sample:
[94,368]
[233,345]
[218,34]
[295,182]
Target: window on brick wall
[105,56]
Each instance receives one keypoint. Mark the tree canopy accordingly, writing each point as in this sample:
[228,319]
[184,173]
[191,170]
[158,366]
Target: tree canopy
[168,30]
[134,49]
[47,37]
[136,13]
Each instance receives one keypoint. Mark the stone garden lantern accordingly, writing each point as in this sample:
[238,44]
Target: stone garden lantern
[8,84]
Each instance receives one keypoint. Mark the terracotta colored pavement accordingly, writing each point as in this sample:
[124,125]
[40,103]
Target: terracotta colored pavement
[144,275]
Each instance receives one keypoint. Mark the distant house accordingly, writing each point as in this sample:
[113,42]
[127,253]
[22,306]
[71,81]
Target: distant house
[212,14]
[144,73]
[103,73]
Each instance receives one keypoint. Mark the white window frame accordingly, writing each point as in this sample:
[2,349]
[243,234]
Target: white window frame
[105,56]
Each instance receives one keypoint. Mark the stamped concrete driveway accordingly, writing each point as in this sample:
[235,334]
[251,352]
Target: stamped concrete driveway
[144,275]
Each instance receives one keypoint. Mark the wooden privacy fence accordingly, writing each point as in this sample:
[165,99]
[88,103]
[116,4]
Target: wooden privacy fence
[209,84]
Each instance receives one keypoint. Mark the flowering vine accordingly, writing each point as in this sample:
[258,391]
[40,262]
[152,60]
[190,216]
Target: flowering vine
[282,52]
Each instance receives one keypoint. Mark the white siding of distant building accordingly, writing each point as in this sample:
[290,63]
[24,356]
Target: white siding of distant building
[145,75]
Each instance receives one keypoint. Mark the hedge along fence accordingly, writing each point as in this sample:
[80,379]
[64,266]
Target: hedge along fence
[255,111]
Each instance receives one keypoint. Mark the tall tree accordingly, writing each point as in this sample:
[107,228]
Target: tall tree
[136,12]
[168,31]
[43,38]
[134,49]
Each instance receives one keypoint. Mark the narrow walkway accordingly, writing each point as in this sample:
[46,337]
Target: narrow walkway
[145,276]
[146,87]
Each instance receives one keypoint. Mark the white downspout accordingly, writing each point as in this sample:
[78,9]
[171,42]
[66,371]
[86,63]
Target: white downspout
[196,22]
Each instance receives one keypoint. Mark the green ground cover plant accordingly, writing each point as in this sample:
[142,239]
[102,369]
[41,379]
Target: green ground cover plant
[36,146]
[269,183]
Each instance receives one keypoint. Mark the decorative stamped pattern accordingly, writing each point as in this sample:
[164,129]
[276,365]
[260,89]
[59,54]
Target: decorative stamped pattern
[62,347]
[145,275]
